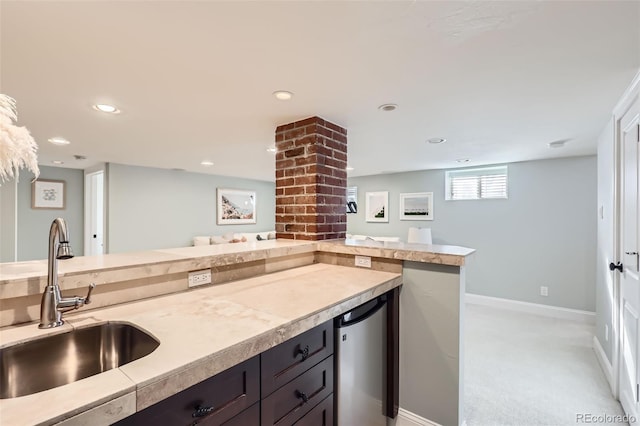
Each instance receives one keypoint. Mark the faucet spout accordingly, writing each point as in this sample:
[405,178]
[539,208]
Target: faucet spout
[53,305]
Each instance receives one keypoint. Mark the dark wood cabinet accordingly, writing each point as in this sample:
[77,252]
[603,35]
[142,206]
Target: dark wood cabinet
[293,400]
[321,415]
[288,360]
[212,402]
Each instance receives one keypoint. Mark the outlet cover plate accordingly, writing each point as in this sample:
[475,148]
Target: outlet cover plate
[197,278]
[363,261]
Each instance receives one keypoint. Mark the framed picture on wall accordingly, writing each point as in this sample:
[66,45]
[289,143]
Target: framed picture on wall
[416,206]
[48,194]
[236,206]
[377,206]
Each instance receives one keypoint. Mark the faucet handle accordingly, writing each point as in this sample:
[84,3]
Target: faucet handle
[87,299]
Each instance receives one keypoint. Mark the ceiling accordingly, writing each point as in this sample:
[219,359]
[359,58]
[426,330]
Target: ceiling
[194,80]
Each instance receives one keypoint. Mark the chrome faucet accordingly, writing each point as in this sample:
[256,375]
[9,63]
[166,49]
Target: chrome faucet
[53,305]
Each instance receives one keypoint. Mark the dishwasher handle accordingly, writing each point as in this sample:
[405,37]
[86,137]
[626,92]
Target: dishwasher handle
[362,312]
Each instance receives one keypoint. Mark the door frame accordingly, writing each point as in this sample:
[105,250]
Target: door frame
[87,205]
[625,103]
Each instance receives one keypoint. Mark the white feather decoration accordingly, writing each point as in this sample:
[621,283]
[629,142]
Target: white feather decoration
[17,148]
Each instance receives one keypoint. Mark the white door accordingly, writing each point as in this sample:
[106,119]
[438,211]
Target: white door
[94,199]
[630,277]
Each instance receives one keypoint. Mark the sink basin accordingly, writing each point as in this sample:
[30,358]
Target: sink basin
[59,359]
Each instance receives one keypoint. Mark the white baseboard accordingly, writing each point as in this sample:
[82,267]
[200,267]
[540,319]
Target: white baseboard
[407,418]
[607,369]
[532,308]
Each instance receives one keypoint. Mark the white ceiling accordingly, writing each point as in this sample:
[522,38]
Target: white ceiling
[194,80]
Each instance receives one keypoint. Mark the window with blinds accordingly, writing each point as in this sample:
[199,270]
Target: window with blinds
[476,184]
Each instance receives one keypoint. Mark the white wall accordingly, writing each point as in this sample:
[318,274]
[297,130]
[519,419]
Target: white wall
[543,235]
[150,208]
[606,231]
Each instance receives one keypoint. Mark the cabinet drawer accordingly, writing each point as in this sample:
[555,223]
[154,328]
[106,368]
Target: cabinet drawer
[321,415]
[295,399]
[225,394]
[249,417]
[288,360]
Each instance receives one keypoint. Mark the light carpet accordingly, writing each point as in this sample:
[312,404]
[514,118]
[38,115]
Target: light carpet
[524,369]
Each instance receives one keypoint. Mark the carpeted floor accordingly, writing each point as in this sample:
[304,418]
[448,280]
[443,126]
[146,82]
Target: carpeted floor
[523,369]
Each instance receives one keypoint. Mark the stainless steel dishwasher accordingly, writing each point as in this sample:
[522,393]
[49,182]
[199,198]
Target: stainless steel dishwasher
[361,373]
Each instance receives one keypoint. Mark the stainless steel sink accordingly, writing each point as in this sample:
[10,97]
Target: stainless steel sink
[59,359]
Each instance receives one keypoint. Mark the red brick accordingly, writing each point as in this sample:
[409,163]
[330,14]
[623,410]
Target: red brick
[334,181]
[304,161]
[285,164]
[283,235]
[285,218]
[320,150]
[307,237]
[311,189]
[279,191]
[295,171]
[306,199]
[285,127]
[279,174]
[336,128]
[295,133]
[291,227]
[306,218]
[311,209]
[294,209]
[305,180]
[308,121]
[279,227]
[339,155]
[282,200]
[306,141]
[294,190]
[294,152]
[284,145]
[285,182]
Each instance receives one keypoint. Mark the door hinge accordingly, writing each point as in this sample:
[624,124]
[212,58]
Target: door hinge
[637,392]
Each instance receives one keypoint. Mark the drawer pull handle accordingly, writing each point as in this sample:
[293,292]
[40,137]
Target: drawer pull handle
[202,411]
[304,352]
[303,396]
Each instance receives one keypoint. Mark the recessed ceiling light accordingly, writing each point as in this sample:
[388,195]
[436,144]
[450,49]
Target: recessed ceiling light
[463,160]
[79,157]
[271,149]
[207,163]
[388,107]
[106,108]
[283,95]
[557,144]
[59,141]
[58,162]
[349,168]
[436,141]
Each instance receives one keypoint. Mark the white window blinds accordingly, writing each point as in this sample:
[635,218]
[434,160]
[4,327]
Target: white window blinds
[476,184]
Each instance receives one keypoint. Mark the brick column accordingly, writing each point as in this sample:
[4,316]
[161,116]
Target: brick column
[311,180]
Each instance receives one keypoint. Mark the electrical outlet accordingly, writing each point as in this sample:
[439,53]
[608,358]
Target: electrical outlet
[606,333]
[544,290]
[197,278]
[363,261]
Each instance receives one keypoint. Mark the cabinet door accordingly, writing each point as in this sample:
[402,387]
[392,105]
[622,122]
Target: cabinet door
[321,415]
[288,360]
[288,404]
[215,400]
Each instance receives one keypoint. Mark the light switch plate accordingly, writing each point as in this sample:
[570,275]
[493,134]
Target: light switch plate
[363,261]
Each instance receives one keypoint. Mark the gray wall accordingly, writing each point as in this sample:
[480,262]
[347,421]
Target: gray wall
[150,208]
[604,277]
[543,235]
[33,225]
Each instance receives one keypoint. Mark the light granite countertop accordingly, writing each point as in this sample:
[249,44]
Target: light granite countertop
[28,278]
[427,253]
[201,332]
